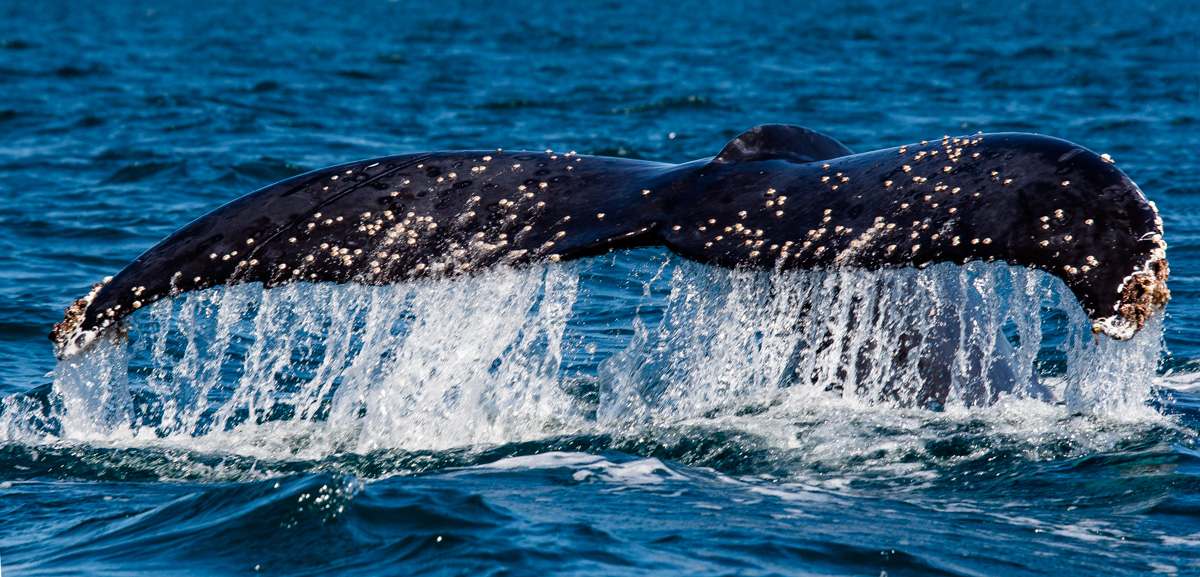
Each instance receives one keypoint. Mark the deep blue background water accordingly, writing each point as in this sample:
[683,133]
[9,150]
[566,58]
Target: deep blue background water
[121,121]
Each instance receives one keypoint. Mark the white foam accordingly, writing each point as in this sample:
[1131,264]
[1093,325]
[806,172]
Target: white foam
[649,471]
[825,366]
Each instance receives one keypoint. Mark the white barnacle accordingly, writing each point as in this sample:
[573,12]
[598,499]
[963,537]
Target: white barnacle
[1058,213]
[600,216]
[987,241]
[907,168]
[1089,222]
[1067,238]
[1066,183]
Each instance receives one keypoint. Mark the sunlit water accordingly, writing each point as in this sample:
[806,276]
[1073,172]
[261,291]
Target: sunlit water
[628,414]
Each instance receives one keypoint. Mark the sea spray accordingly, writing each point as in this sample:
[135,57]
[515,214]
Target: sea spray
[307,371]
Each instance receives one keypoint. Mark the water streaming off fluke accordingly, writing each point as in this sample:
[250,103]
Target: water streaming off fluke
[516,355]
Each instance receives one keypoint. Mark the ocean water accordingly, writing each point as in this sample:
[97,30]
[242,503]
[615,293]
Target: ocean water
[630,414]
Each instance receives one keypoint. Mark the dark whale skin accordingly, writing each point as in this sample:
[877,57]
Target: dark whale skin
[780,197]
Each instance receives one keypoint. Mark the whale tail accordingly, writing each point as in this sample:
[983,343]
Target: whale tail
[776,196]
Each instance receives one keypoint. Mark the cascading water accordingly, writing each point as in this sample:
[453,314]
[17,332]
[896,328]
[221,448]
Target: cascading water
[307,371]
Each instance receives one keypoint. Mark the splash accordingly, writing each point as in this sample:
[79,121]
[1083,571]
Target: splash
[818,361]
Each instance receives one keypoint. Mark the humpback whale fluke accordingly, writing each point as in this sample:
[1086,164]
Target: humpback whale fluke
[780,197]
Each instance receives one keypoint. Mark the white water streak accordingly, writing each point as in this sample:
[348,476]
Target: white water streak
[313,370]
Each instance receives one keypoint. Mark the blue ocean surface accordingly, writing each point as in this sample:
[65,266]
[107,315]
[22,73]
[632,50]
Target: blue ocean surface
[627,414]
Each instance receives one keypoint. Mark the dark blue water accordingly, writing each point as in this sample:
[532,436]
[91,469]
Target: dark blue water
[622,415]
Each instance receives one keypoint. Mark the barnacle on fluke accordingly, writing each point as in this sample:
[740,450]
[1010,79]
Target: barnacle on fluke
[780,197]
